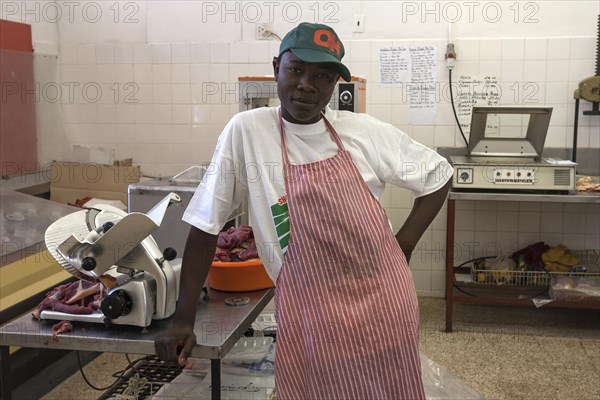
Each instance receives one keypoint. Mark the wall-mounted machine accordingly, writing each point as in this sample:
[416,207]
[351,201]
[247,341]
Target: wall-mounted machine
[505,153]
[588,89]
[261,91]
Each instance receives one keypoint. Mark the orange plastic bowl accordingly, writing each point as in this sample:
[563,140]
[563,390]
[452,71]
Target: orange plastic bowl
[243,276]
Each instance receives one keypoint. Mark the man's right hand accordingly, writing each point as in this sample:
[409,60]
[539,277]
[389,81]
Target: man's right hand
[175,344]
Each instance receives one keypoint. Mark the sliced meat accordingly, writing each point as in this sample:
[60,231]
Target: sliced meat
[82,292]
[225,241]
[79,297]
[250,252]
[236,244]
[62,326]
[222,255]
[241,234]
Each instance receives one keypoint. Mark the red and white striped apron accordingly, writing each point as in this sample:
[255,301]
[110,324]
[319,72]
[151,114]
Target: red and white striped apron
[346,306]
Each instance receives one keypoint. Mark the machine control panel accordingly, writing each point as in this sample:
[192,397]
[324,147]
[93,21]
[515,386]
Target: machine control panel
[476,174]
[522,176]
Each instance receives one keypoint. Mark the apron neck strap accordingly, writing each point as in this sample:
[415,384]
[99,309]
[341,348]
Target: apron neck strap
[332,132]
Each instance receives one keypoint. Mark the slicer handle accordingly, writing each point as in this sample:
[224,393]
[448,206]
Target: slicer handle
[95,234]
[169,254]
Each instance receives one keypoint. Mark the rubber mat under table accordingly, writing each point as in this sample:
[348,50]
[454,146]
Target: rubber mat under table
[156,371]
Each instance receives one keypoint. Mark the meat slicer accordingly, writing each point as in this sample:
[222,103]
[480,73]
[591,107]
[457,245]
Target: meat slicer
[106,244]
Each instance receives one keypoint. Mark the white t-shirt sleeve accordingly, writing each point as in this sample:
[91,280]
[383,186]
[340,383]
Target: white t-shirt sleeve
[222,188]
[407,163]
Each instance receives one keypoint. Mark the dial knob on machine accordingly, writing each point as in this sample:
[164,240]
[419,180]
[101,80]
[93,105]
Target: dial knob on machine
[116,304]
[346,97]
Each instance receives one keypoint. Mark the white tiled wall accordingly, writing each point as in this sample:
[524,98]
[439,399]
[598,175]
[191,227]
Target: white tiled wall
[164,104]
[161,104]
[179,95]
[500,228]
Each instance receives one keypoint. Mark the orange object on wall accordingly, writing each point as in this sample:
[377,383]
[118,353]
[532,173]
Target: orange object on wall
[15,36]
[18,136]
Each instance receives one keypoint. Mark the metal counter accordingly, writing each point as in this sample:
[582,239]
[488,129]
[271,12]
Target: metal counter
[34,183]
[23,223]
[218,327]
[572,197]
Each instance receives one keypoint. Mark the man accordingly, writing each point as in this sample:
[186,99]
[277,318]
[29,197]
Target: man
[346,306]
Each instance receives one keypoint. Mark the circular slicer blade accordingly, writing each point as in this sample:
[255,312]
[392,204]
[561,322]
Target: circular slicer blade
[78,224]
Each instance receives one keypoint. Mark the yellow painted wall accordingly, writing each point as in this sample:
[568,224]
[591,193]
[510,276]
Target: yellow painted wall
[27,277]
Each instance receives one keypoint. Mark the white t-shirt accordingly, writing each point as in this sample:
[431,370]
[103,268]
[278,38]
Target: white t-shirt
[247,163]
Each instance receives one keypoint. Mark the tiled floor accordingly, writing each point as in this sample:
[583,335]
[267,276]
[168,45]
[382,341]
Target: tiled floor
[503,353]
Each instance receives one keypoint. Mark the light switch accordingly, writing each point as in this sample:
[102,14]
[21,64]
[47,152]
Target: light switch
[358,23]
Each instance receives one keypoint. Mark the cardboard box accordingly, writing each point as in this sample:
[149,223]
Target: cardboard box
[70,181]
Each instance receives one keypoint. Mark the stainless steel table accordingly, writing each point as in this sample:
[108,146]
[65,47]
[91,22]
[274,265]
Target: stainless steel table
[218,327]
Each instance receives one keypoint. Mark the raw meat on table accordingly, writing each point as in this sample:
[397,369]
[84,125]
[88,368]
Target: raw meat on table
[79,297]
[61,327]
[236,244]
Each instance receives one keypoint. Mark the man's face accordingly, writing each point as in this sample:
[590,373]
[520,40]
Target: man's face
[304,89]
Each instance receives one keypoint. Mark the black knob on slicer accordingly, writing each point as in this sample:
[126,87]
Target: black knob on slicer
[88,263]
[106,226]
[116,304]
[169,253]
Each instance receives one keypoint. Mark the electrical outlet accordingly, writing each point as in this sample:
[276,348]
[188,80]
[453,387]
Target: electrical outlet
[263,31]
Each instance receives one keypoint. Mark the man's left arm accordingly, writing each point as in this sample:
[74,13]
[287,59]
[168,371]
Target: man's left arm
[424,210]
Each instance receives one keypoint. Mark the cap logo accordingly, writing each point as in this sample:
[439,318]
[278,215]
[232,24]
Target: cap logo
[330,43]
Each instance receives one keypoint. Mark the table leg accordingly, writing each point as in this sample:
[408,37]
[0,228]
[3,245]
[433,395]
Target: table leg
[5,374]
[450,263]
[215,379]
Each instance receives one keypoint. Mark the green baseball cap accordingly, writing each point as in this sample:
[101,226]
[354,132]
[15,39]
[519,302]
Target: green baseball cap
[316,43]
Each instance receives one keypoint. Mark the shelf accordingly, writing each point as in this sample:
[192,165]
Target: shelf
[513,295]
[503,294]
[576,197]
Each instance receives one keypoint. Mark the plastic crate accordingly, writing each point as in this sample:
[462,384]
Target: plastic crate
[588,258]
[575,288]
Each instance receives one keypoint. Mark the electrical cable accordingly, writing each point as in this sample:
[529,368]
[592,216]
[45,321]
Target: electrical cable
[90,384]
[119,375]
[454,109]
[474,259]
[274,34]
